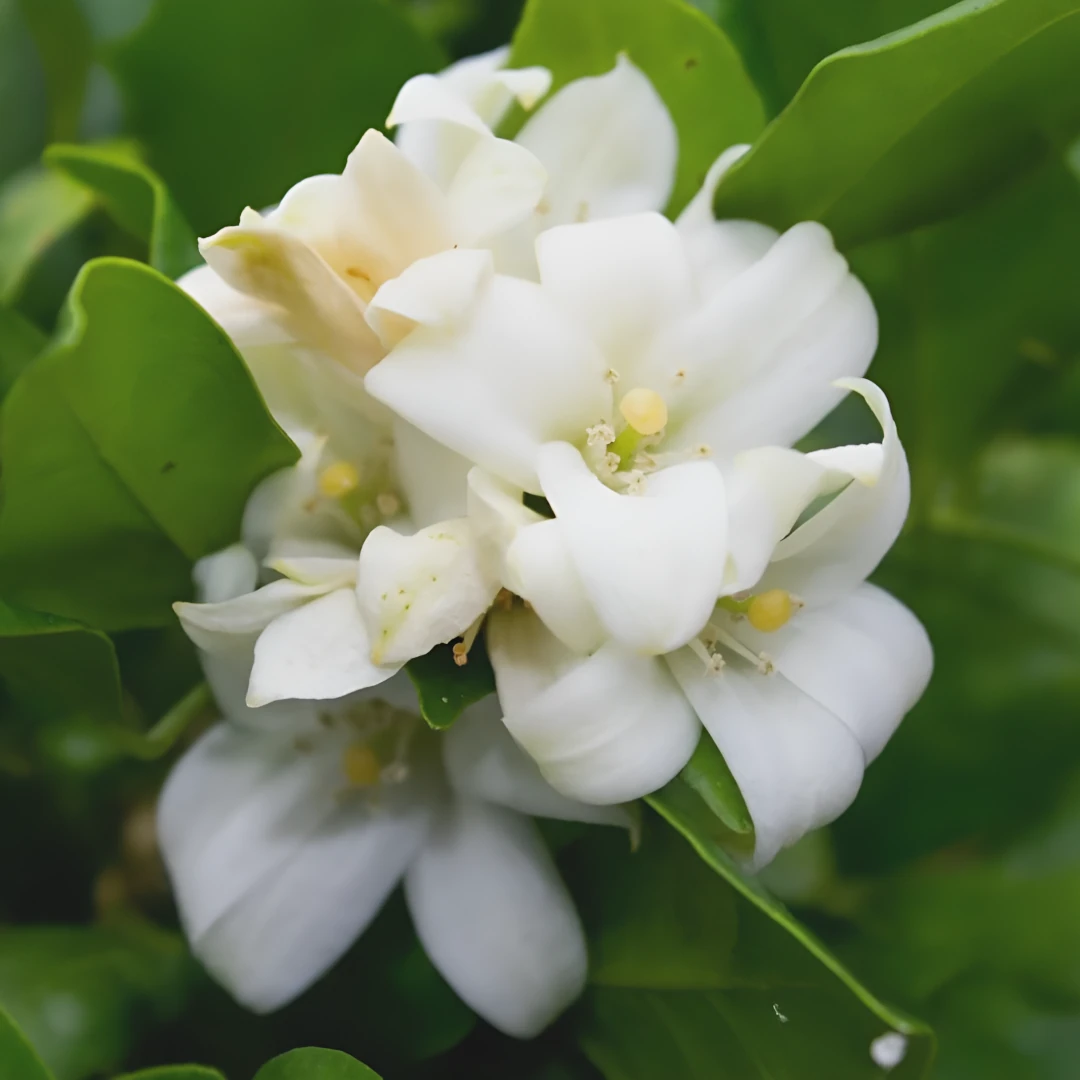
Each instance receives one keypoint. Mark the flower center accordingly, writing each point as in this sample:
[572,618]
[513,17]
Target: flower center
[766,612]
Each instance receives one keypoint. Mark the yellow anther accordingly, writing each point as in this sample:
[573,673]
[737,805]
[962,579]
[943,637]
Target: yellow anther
[361,764]
[387,504]
[338,479]
[768,611]
[644,410]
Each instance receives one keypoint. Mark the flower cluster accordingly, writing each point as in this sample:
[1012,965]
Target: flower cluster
[528,401]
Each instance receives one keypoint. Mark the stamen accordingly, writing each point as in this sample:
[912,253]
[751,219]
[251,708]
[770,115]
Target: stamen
[769,611]
[644,410]
[611,376]
[761,661]
[600,435]
[461,648]
[361,764]
[713,661]
[387,504]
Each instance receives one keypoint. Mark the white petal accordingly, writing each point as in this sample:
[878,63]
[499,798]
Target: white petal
[604,729]
[652,564]
[208,624]
[483,762]
[496,514]
[754,367]
[235,807]
[797,765]
[515,376]
[399,215]
[248,322]
[428,97]
[608,144]
[866,658]
[434,480]
[497,186]
[622,279]
[418,591]
[318,651]
[314,303]
[225,575]
[541,569]
[436,292]
[275,873]
[719,251]
[496,919]
[833,551]
[767,489]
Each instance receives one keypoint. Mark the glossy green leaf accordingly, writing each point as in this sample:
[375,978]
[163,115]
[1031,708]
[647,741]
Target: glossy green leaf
[695,974]
[174,1072]
[311,1063]
[84,995]
[238,101]
[917,125]
[132,446]
[20,342]
[693,66]
[58,668]
[66,48]
[37,207]
[444,688]
[136,197]
[17,1056]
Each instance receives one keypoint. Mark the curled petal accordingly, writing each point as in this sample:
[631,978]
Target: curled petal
[495,918]
[605,729]
[797,765]
[651,564]
[418,591]
[434,480]
[318,651]
[865,658]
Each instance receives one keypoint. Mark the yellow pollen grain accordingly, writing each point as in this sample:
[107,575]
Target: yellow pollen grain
[644,410]
[361,764]
[338,479]
[387,504]
[770,610]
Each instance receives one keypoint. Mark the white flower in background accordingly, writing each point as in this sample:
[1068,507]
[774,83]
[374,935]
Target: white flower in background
[284,833]
[646,388]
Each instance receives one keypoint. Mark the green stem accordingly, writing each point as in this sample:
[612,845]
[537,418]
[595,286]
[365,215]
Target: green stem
[161,737]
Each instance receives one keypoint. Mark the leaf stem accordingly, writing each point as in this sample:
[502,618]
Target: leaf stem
[162,736]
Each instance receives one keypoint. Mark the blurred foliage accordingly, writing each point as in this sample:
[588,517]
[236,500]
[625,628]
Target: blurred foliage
[949,889]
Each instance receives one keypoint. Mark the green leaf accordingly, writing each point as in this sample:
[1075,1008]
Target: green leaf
[238,101]
[908,129]
[20,342]
[312,1063]
[58,668]
[66,48]
[17,1056]
[174,1072]
[130,446]
[702,976]
[36,208]
[22,103]
[444,688]
[693,66]
[84,995]
[136,197]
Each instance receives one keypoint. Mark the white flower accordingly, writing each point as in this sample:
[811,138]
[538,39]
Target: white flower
[647,388]
[284,834]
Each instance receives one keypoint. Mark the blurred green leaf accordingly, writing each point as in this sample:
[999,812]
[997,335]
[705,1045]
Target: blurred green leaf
[22,97]
[444,688]
[135,196]
[312,1063]
[918,125]
[37,207]
[58,668]
[130,446]
[17,1056]
[20,342]
[970,310]
[238,101]
[83,995]
[693,66]
[691,977]
[66,48]
[174,1072]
